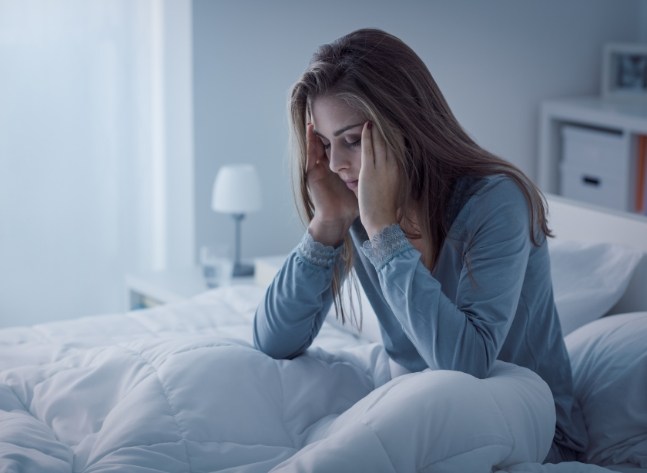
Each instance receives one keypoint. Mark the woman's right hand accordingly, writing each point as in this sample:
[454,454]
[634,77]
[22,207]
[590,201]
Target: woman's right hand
[335,204]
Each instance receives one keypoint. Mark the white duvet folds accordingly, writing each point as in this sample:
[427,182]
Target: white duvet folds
[180,389]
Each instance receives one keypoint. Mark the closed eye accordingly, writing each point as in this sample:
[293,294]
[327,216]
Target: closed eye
[325,145]
[353,142]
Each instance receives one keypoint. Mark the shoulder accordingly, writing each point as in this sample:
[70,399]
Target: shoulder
[495,200]
[497,188]
[496,193]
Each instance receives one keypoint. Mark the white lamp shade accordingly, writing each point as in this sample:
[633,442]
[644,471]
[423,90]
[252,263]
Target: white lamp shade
[236,190]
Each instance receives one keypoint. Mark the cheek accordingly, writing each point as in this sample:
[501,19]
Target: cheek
[356,158]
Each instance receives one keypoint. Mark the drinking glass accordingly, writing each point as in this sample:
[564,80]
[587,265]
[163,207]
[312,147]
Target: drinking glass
[217,265]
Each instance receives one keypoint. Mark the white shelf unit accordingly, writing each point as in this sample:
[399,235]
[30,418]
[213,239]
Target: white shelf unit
[622,117]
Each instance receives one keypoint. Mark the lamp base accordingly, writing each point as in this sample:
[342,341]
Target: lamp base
[242,269]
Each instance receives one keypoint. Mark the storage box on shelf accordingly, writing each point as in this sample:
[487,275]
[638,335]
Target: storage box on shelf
[596,167]
[590,150]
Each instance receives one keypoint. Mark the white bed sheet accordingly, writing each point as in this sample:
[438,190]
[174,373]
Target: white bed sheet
[179,388]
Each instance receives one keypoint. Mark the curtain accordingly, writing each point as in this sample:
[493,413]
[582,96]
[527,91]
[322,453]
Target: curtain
[86,152]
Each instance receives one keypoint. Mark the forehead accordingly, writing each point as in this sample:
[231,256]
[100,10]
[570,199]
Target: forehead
[330,113]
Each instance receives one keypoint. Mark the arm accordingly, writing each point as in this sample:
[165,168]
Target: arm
[297,300]
[467,334]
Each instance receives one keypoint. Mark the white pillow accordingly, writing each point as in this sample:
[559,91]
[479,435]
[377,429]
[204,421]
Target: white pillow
[588,279]
[609,362]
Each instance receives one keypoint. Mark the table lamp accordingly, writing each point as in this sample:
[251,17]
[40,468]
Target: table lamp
[237,191]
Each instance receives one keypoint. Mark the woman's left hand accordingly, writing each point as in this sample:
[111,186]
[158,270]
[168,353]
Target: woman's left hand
[378,183]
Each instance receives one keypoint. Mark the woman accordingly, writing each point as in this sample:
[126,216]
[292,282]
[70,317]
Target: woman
[447,240]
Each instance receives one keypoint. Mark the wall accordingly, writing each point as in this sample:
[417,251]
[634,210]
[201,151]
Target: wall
[495,62]
[98,127]
[177,105]
[96,165]
[643,22]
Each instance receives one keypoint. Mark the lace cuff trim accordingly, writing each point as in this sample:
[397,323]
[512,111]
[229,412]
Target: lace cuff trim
[384,246]
[317,253]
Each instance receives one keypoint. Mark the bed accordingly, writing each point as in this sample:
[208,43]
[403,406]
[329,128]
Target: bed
[179,388]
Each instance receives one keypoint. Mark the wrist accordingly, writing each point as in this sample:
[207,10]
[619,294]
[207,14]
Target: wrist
[330,233]
[376,229]
[377,226]
[317,253]
[384,246]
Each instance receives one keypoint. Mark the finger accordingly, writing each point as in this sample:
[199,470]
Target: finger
[313,148]
[367,154]
[380,150]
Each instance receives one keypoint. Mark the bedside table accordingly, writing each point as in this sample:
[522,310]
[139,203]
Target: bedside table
[148,289]
[151,288]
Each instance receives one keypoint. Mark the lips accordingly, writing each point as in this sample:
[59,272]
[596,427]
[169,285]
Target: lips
[352,184]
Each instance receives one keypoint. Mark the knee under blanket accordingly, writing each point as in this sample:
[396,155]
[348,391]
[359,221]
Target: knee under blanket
[193,403]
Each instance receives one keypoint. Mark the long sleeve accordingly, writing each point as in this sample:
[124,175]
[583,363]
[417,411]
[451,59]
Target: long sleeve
[465,333]
[297,301]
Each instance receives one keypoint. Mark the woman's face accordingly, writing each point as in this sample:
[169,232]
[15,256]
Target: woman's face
[339,127]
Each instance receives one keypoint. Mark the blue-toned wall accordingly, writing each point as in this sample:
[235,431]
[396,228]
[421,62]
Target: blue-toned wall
[495,62]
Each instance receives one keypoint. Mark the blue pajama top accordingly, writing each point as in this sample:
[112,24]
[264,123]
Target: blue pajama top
[488,297]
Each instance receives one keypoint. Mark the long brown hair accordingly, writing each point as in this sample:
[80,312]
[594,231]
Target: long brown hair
[379,75]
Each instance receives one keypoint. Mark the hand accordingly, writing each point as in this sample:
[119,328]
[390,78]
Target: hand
[378,183]
[335,204]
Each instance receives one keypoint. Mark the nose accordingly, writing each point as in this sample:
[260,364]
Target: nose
[338,159]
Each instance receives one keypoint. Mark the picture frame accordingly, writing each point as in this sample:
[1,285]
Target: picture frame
[624,71]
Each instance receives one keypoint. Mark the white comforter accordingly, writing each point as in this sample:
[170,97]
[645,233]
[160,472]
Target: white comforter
[180,389]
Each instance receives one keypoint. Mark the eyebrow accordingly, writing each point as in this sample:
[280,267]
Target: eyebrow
[341,130]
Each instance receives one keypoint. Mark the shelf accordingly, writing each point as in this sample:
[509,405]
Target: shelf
[624,114]
[626,118]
